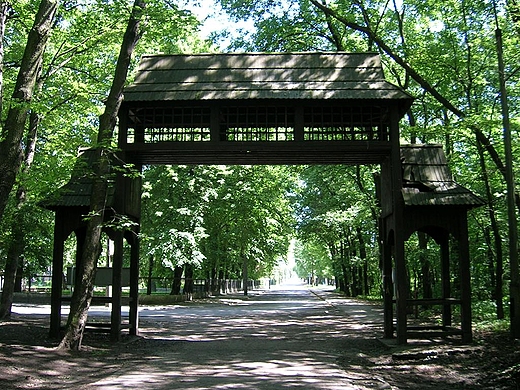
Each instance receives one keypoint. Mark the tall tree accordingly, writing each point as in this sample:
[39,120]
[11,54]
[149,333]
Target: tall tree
[67,45]
[17,242]
[82,295]
[11,150]
[514,287]
[5,11]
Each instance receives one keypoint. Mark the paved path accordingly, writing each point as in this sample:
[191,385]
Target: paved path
[290,337]
[275,339]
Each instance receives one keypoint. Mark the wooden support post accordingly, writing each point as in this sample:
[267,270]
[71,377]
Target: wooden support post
[388,287]
[134,283]
[139,135]
[122,137]
[445,278]
[465,280]
[57,277]
[402,289]
[398,217]
[117,268]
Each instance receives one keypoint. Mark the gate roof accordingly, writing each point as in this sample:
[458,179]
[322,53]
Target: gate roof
[320,76]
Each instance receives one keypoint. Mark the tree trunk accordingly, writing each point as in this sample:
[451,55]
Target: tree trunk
[82,295]
[177,280]
[188,281]
[223,288]
[150,272]
[490,262]
[498,293]
[514,285]
[346,284]
[218,273]
[11,152]
[426,271]
[15,248]
[342,261]
[17,244]
[363,257]
[215,285]
[245,276]
[354,274]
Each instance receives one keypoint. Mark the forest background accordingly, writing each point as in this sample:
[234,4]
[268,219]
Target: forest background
[205,220]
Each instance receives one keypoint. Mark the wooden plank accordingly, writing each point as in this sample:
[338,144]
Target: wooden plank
[185,92]
[117,268]
[445,278]
[250,153]
[57,276]
[147,77]
[245,61]
[133,315]
[428,334]
[98,300]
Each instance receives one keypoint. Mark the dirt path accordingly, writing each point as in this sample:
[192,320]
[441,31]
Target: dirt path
[274,339]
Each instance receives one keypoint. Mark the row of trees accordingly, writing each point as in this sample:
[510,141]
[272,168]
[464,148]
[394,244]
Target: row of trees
[230,221]
[447,54]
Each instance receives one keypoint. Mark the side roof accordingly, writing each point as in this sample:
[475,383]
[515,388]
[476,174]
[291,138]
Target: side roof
[77,191]
[427,179]
[317,75]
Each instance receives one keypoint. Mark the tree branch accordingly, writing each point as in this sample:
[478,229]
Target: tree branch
[486,142]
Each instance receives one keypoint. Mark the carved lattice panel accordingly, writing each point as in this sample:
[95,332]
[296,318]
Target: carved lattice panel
[257,123]
[339,123]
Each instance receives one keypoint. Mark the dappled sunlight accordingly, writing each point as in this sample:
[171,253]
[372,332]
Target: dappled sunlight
[190,346]
[296,335]
[282,369]
[271,339]
[272,324]
[300,327]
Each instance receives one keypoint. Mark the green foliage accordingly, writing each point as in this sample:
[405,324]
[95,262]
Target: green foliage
[214,216]
[451,46]
[173,208]
[313,260]
[484,317]
[334,204]
[76,76]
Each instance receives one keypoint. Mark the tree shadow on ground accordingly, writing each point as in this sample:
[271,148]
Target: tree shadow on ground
[260,346]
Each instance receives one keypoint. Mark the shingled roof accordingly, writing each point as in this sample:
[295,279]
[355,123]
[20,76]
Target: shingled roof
[336,75]
[427,179]
[77,191]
